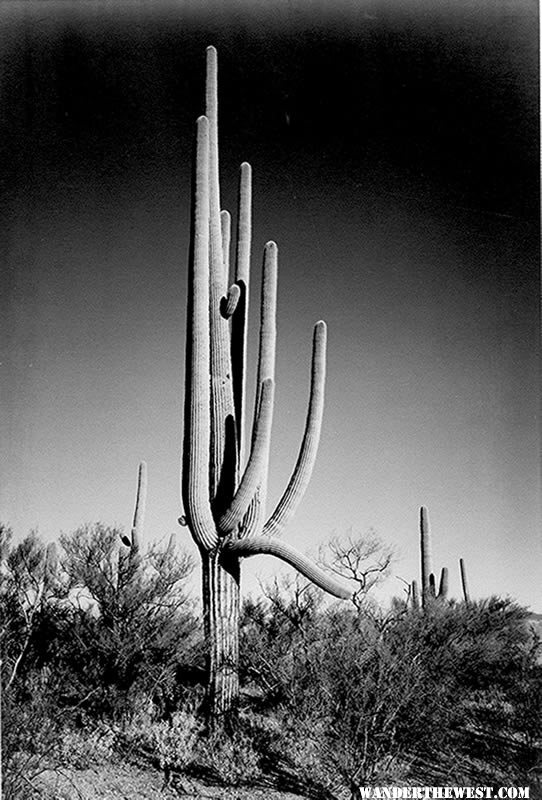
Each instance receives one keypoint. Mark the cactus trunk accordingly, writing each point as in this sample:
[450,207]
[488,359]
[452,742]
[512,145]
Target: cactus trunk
[220,588]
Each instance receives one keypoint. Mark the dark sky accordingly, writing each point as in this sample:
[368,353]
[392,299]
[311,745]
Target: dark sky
[395,153]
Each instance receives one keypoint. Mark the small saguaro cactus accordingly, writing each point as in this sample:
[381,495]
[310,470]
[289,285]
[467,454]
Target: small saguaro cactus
[224,476]
[428,581]
[464,582]
[134,541]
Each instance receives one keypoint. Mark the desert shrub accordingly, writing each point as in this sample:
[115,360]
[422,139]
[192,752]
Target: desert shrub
[95,746]
[453,693]
[84,650]
[233,759]
[175,740]
[31,613]
[131,622]
[31,733]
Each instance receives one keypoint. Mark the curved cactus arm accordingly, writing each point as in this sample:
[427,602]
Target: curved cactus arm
[197,421]
[140,507]
[309,446]
[225,228]
[240,321]
[257,545]
[425,554]
[443,584]
[256,463]
[231,301]
[266,369]
[255,516]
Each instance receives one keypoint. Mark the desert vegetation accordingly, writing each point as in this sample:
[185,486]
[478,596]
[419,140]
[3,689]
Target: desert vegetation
[104,665]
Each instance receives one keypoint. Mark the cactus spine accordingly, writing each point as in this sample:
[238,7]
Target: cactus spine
[224,477]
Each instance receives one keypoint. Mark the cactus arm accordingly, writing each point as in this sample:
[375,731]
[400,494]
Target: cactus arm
[244,224]
[464,582]
[443,584]
[268,315]
[257,545]
[425,553]
[211,112]
[231,301]
[254,519]
[140,507]
[223,468]
[225,229]
[256,463]
[195,472]
[307,454]
[240,321]
[171,545]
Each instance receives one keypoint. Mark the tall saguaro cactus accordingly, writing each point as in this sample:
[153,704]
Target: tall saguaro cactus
[223,490]
[428,581]
[426,555]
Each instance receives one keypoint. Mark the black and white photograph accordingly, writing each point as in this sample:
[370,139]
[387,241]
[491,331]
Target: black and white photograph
[270,489]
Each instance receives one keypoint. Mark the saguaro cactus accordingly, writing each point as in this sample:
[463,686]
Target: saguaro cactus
[428,580]
[426,556]
[223,492]
[464,581]
[134,541]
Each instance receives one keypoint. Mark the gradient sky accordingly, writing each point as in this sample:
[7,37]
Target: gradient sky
[395,156]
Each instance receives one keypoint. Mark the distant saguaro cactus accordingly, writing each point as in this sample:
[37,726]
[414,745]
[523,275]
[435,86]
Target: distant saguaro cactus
[428,581]
[223,493]
[426,557]
[464,582]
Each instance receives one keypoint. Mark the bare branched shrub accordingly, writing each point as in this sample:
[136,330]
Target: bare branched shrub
[364,559]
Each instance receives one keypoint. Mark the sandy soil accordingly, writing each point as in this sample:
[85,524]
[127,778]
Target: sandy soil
[129,782]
